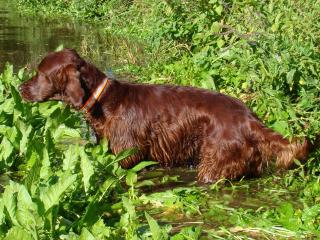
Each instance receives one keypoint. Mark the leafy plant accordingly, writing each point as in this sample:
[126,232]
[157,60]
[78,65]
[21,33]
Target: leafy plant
[264,52]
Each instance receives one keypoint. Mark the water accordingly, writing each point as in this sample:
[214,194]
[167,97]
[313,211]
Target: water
[25,40]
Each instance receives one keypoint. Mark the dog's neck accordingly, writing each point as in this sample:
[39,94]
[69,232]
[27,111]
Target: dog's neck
[91,80]
[99,90]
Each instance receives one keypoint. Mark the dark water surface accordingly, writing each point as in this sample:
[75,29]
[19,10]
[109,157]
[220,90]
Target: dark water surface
[25,40]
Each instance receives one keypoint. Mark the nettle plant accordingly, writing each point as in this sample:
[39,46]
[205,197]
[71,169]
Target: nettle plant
[63,185]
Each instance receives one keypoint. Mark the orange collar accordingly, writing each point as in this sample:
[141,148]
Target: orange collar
[95,96]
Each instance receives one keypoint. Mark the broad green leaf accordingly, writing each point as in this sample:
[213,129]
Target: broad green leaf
[26,209]
[9,199]
[86,234]
[71,158]
[4,129]
[6,150]
[129,207]
[215,27]
[106,186]
[18,101]
[290,76]
[93,209]
[100,230]
[18,233]
[157,233]
[51,196]
[14,135]
[86,168]
[310,215]
[281,127]
[45,171]
[47,108]
[92,213]
[123,155]
[24,139]
[219,9]
[20,73]
[220,43]
[33,176]
[131,178]
[142,165]
[63,133]
[2,216]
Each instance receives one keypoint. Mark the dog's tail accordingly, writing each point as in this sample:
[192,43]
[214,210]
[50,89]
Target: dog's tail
[273,145]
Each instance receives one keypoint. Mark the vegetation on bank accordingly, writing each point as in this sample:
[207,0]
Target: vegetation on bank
[57,184]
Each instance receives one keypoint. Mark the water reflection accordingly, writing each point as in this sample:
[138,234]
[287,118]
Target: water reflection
[24,40]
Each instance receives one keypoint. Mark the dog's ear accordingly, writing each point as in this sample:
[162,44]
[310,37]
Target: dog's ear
[73,90]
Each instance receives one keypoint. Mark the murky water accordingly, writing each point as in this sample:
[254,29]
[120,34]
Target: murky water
[24,41]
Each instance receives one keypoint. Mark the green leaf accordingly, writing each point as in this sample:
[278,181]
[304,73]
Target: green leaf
[24,139]
[131,178]
[219,9]
[17,100]
[86,168]
[106,186]
[142,165]
[63,133]
[157,233]
[220,43]
[86,235]
[10,201]
[100,230]
[33,177]
[26,209]
[6,150]
[281,127]
[71,158]
[51,195]
[123,155]
[129,207]
[93,210]
[18,233]
[45,171]
[2,216]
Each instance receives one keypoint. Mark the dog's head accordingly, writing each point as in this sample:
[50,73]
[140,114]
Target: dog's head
[62,75]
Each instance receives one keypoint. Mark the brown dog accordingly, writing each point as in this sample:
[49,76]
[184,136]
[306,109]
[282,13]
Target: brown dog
[172,125]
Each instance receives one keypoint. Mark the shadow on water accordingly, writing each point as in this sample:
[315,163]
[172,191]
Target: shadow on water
[24,41]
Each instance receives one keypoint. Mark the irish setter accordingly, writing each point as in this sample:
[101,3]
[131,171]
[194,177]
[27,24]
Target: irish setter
[172,125]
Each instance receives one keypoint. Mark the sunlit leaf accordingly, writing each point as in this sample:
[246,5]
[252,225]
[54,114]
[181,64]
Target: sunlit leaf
[142,165]
[86,235]
[33,176]
[51,196]
[71,157]
[26,209]
[131,178]
[86,168]
[18,233]
[157,233]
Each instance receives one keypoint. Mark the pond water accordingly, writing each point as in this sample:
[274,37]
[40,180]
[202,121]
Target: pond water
[25,40]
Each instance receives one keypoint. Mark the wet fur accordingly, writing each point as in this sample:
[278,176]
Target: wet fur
[175,126]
